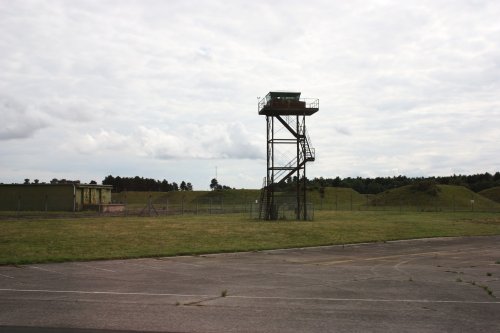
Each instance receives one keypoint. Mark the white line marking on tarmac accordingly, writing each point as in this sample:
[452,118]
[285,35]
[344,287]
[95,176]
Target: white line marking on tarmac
[402,271]
[147,267]
[363,300]
[93,267]
[99,292]
[7,276]
[334,262]
[185,263]
[46,270]
[331,299]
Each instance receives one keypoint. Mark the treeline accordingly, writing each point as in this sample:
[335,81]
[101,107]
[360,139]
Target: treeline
[376,185]
[144,184]
[54,181]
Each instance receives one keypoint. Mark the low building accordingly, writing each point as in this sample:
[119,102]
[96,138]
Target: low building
[54,197]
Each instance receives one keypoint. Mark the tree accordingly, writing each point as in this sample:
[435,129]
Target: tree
[183,186]
[165,186]
[26,181]
[36,181]
[214,184]
[142,184]
[93,182]
[189,187]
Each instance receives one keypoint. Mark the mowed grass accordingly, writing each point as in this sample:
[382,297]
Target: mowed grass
[55,240]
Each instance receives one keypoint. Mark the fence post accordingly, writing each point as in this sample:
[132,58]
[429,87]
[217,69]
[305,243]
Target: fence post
[125,201]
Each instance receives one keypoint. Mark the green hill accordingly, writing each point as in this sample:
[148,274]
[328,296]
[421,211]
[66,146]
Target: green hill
[336,198]
[492,193]
[196,202]
[433,198]
[417,197]
[333,198]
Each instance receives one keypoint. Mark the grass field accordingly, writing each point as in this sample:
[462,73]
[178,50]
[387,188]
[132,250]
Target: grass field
[54,240]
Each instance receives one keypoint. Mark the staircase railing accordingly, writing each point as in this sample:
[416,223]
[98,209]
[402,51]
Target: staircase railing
[287,168]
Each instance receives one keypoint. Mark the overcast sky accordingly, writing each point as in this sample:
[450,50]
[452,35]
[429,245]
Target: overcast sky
[168,89]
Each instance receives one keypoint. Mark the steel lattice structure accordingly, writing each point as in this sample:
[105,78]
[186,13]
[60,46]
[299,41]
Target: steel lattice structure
[286,126]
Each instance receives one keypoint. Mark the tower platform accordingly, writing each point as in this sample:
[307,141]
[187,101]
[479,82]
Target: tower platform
[278,103]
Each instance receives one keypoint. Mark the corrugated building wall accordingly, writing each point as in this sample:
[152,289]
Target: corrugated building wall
[53,197]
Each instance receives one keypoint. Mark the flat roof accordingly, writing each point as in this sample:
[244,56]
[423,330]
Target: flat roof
[274,94]
[69,184]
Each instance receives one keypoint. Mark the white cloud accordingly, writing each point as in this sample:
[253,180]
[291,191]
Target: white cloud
[407,85]
[18,122]
[191,141]
[97,143]
[188,141]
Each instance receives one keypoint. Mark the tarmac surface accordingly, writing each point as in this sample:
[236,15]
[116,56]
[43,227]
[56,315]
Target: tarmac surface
[429,285]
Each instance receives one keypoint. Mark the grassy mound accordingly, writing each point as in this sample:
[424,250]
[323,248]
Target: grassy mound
[492,193]
[424,196]
[136,200]
[432,197]
[336,198]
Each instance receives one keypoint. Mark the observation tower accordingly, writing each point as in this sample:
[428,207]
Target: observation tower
[289,148]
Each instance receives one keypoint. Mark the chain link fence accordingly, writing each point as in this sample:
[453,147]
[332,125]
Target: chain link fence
[284,209]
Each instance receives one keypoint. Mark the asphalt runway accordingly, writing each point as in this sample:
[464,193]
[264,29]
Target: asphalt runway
[430,285]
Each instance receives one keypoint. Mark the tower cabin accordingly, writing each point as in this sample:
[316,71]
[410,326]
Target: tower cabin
[284,103]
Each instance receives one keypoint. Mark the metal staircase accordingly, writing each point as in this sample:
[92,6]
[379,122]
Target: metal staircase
[306,153]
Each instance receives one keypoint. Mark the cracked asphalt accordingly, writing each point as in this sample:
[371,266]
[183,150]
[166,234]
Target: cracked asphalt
[428,285]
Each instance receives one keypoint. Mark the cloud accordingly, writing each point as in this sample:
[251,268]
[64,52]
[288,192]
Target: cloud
[70,109]
[192,141]
[343,130]
[402,85]
[189,141]
[102,142]
[17,121]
